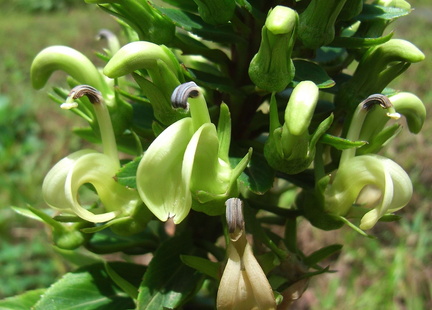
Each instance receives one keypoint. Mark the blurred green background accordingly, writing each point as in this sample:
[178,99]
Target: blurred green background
[390,272]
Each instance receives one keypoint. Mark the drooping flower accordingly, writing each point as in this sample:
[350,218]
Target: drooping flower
[61,185]
[243,285]
[377,184]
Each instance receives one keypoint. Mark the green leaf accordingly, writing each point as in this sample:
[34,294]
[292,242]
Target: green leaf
[309,71]
[106,241]
[258,175]
[341,143]
[356,42]
[321,254]
[91,288]
[24,301]
[127,174]
[203,265]
[168,283]
[371,12]
[194,24]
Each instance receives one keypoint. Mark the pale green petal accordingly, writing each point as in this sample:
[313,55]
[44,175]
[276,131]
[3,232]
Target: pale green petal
[53,187]
[61,185]
[159,176]
[99,170]
[206,171]
[368,173]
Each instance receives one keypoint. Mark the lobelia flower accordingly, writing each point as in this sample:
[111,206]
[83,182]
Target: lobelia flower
[187,165]
[271,68]
[243,284]
[376,69]
[163,70]
[377,183]
[290,147]
[61,185]
[316,26]
[82,71]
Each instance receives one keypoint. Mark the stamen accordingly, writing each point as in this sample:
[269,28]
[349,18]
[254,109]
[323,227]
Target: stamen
[374,99]
[92,93]
[234,215]
[181,94]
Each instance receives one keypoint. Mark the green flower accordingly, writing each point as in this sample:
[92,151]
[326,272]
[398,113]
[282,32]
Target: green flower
[243,285]
[187,165]
[377,184]
[316,27]
[290,147]
[377,68]
[61,185]
[271,68]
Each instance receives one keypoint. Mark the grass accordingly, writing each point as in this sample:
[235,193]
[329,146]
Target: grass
[391,272]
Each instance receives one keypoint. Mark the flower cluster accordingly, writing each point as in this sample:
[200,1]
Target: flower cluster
[179,109]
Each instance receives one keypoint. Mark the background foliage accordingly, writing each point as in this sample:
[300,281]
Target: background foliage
[392,272]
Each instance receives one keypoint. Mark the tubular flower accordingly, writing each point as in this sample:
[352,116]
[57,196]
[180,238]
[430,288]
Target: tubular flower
[187,165]
[290,147]
[380,185]
[316,27]
[271,68]
[243,284]
[163,70]
[377,68]
[61,185]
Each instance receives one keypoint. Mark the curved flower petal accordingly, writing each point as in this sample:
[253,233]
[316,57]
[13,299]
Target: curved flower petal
[159,176]
[362,173]
[202,165]
[244,285]
[63,181]
[53,191]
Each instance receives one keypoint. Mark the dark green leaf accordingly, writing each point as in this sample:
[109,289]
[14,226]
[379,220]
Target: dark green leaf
[372,11]
[24,301]
[341,143]
[106,241]
[91,288]
[321,254]
[258,175]
[203,265]
[127,174]
[168,283]
[355,42]
[194,24]
[307,70]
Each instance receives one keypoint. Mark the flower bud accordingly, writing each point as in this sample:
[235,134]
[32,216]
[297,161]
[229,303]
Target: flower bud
[216,12]
[271,68]
[65,59]
[376,69]
[316,27]
[290,148]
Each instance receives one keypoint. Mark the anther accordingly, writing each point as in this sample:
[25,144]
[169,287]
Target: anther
[181,94]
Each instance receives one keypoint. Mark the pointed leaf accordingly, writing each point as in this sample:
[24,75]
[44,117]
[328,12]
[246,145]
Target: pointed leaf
[24,301]
[168,283]
[90,287]
[127,174]
[321,254]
